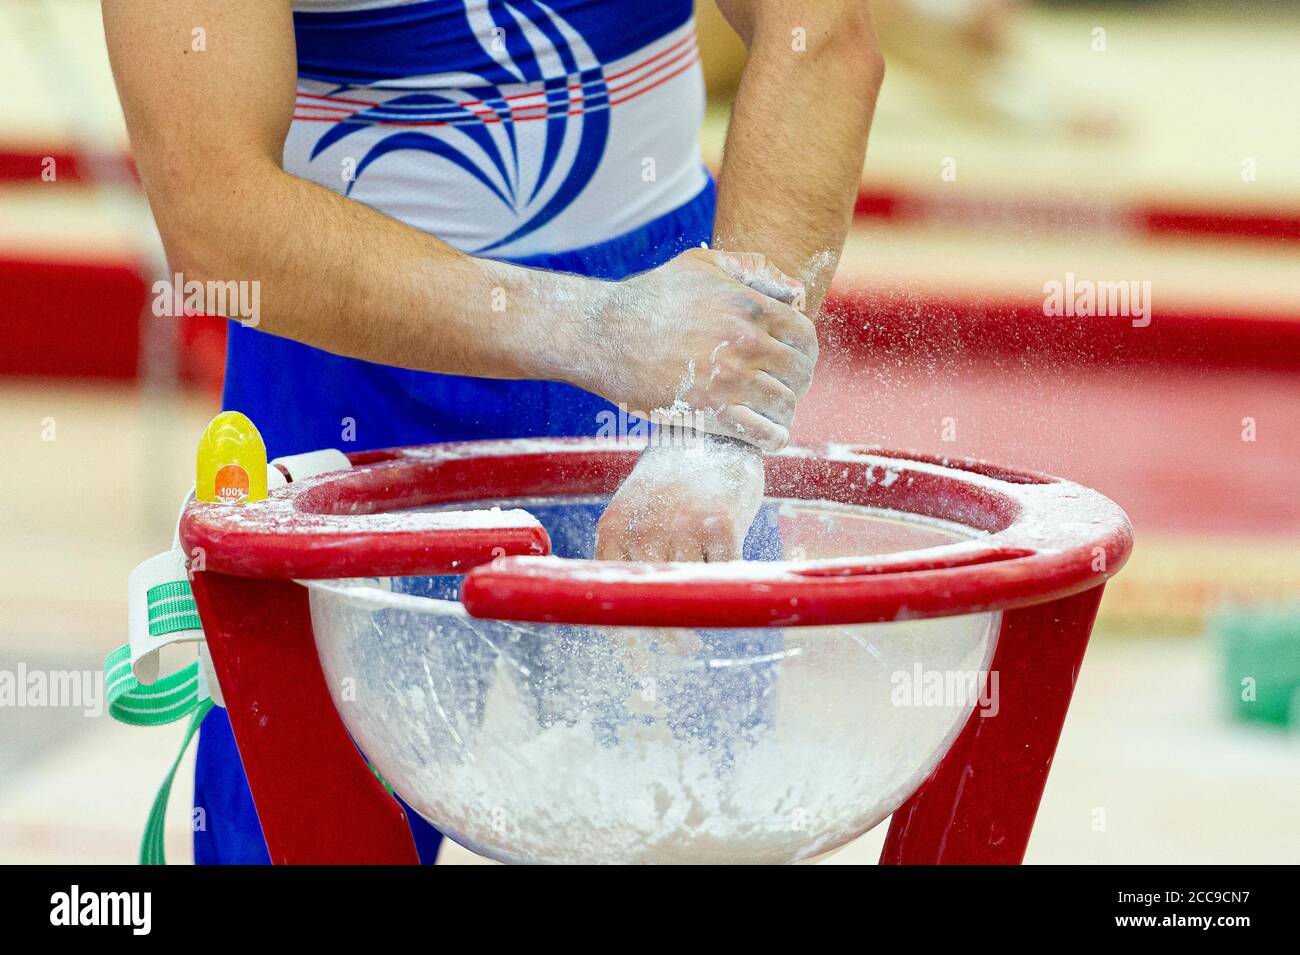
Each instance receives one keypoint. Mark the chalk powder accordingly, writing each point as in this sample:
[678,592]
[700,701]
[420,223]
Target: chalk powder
[547,743]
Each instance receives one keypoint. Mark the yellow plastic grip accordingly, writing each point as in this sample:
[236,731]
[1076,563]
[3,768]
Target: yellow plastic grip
[231,465]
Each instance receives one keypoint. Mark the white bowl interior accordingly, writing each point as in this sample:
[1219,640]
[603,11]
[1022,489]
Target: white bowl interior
[559,743]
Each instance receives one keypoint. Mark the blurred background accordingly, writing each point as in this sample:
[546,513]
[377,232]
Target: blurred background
[1015,145]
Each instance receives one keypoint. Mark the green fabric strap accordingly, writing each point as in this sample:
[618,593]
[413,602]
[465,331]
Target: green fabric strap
[152,844]
[172,608]
[165,701]
[171,698]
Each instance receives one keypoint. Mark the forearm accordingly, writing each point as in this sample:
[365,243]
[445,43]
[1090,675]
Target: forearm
[798,137]
[208,126]
[790,174]
[340,276]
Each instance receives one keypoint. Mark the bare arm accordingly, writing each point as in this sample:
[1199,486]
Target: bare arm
[798,134]
[207,131]
[789,178]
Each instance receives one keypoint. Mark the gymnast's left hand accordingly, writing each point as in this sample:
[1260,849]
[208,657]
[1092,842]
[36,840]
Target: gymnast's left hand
[684,503]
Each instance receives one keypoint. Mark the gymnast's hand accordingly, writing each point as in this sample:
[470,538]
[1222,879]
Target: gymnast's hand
[693,496]
[690,503]
[711,337]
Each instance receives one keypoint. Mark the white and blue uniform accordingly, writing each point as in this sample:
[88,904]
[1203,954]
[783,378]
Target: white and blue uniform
[504,128]
[560,135]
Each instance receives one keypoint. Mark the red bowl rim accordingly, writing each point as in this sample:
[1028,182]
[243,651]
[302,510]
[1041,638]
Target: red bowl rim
[1039,537]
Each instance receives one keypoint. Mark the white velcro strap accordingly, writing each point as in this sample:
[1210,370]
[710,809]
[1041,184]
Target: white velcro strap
[307,465]
[160,611]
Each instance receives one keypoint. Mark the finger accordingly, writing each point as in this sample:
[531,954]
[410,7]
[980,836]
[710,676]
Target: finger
[748,425]
[610,544]
[648,543]
[688,545]
[772,399]
[648,551]
[613,550]
[729,262]
[753,270]
[791,327]
[692,532]
[744,424]
[719,543]
[787,365]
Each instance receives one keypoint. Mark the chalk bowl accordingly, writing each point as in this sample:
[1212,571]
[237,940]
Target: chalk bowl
[540,706]
[536,742]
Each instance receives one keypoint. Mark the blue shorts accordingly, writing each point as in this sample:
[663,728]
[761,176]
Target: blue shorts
[303,399]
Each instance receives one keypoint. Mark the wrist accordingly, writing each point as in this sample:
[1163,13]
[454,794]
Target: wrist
[737,462]
[552,322]
[574,343]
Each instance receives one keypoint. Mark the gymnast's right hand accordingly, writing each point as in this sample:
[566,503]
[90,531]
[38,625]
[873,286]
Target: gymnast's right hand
[713,338]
